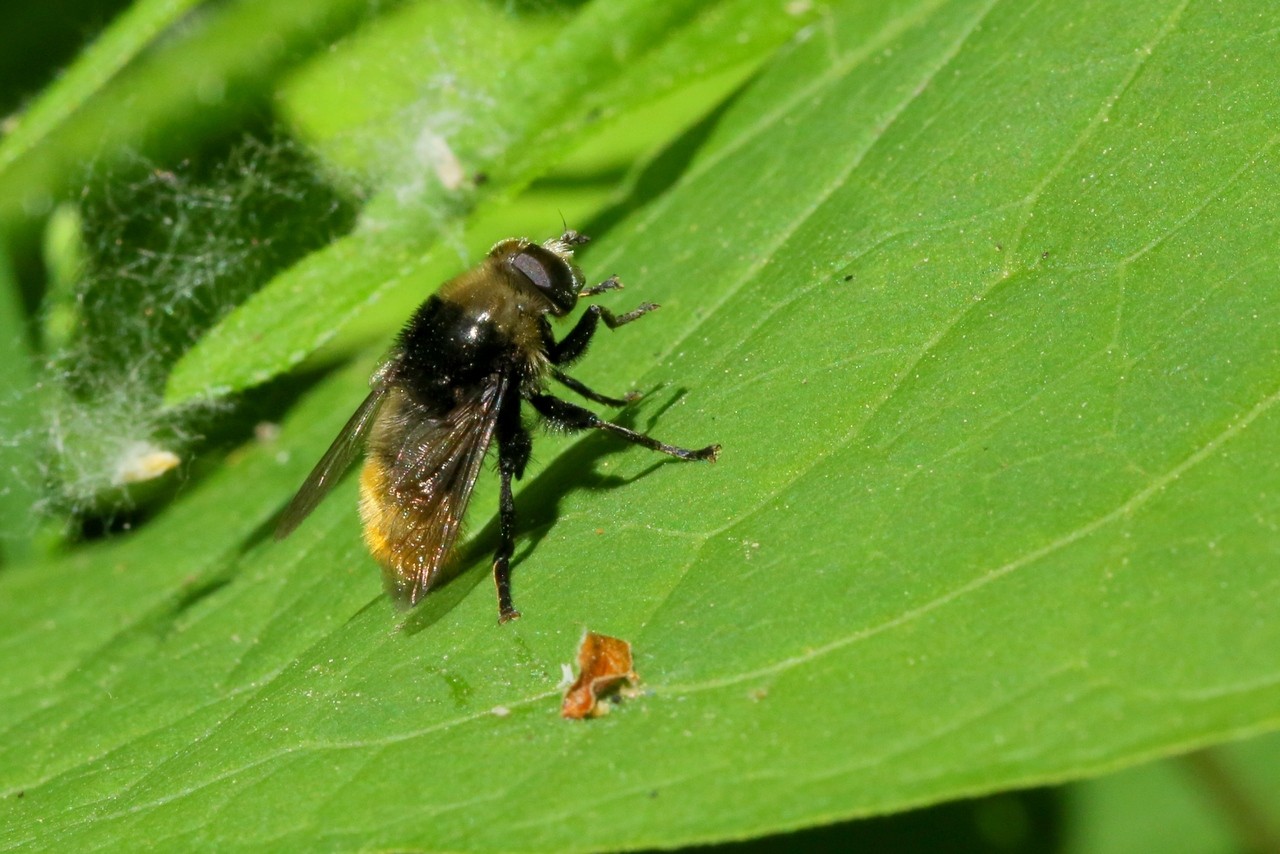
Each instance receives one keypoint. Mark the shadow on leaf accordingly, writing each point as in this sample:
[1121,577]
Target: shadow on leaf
[537,509]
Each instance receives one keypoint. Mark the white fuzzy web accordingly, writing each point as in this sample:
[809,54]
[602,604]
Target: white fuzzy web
[161,255]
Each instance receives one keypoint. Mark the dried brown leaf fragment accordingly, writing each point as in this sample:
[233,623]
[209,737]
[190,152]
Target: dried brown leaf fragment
[604,670]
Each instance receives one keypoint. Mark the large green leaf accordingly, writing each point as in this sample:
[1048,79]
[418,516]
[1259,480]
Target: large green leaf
[978,298]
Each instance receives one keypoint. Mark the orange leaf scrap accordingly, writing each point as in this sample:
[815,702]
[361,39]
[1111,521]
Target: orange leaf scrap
[604,667]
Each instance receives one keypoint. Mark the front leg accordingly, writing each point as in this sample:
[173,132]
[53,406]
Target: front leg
[609,284]
[569,349]
[514,446]
[506,547]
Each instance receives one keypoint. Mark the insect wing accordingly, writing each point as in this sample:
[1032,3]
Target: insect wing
[432,479]
[333,464]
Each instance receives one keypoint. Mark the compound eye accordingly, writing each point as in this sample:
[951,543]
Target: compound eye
[535,269]
[550,274]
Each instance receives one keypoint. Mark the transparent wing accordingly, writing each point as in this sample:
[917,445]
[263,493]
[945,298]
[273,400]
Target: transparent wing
[333,464]
[430,484]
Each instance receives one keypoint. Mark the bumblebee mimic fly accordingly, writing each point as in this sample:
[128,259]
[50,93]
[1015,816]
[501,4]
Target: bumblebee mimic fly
[454,384]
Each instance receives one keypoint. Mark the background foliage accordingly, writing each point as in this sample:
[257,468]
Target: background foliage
[979,298]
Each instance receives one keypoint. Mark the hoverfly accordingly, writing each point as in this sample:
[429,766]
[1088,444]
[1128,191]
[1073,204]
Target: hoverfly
[453,383]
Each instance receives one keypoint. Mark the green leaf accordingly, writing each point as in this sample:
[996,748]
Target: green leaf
[979,299]
[17,416]
[133,92]
[511,107]
[1225,799]
[123,41]
[427,67]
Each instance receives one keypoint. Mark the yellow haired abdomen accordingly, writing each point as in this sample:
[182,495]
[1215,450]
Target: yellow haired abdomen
[377,512]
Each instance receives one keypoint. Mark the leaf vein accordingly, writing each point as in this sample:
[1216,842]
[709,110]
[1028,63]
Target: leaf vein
[1120,512]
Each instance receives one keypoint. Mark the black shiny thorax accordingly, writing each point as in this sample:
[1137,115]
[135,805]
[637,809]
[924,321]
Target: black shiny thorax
[462,336]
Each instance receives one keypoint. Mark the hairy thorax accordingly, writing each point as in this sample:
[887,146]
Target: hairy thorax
[468,332]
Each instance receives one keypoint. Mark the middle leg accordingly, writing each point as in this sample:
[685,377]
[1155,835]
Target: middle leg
[590,394]
[567,416]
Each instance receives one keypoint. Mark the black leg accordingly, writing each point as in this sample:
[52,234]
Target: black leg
[581,389]
[573,345]
[567,416]
[609,284]
[514,445]
[506,546]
